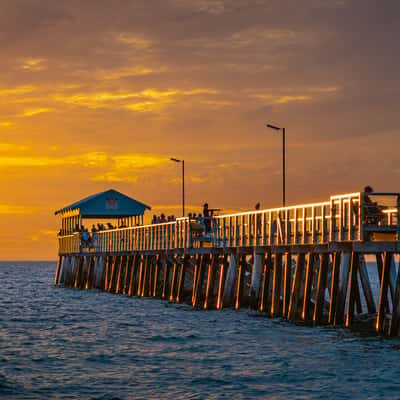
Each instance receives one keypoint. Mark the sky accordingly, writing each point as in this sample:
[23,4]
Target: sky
[99,94]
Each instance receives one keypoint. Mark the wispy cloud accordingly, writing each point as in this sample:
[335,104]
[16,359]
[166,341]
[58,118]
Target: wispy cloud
[15,209]
[35,111]
[33,64]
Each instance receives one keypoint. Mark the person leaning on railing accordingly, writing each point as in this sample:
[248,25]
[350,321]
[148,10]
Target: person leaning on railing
[372,212]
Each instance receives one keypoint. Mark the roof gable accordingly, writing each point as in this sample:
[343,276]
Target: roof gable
[107,204]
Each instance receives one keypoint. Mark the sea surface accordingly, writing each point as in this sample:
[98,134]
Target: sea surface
[75,344]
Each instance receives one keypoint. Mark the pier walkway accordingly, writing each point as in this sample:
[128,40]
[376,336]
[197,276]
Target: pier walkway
[304,262]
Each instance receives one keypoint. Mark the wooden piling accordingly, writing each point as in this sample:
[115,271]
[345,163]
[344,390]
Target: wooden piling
[181,278]
[145,278]
[89,280]
[334,286]
[140,276]
[57,276]
[265,285]
[78,272]
[395,320]
[112,276]
[287,282]
[321,287]
[199,280]
[132,280]
[305,315]
[174,264]
[296,287]
[239,285]
[366,285]
[256,273]
[231,277]
[383,294]
[221,281]
[121,271]
[165,278]
[155,277]
[213,263]
[342,291]
[276,309]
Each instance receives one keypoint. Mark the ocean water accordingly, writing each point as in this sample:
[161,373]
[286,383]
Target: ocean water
[76,344]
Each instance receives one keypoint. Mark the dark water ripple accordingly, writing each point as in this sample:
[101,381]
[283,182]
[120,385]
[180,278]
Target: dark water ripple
[64,343]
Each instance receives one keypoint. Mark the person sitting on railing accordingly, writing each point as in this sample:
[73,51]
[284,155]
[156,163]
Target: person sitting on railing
[373,213]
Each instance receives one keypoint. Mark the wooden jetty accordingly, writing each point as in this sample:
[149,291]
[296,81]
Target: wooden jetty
[304,263]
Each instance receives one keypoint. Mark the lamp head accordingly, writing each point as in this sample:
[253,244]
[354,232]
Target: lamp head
[273,127]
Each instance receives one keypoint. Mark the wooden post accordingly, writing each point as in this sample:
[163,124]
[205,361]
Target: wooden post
[296,287]
[321,286]
[181,278]
[165,278]
[287,282]
[128,270]
[90,273]
[395,320]
[132,288]
[276,286]
[78,272]
[151,276]
[366,285]
[122,268]
[239,286]
[383,294]
[210,280]
[155,278]
[199,280]
[195,273]
[342,292]
[334,286]
[379,265]
[221,281]
[255,279]
[145,279]
[173,279]
[140,276]
[265,286]
[106,272]
[305,315]
[112,277]
[231,277]
[57,276]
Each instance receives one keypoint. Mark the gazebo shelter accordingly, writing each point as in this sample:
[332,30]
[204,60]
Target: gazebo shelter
[108,205]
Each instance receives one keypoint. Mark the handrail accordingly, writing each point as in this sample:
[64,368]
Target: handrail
[343,218]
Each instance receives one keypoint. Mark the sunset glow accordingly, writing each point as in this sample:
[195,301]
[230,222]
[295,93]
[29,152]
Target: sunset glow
[94,96]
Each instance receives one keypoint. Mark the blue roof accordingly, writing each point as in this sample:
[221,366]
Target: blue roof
[108,204]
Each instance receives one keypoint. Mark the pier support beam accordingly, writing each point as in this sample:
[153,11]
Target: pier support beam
[258,261]
[342,291]
[231,277]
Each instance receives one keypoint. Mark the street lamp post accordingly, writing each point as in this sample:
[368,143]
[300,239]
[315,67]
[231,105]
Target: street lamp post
[183,182]
[277,128]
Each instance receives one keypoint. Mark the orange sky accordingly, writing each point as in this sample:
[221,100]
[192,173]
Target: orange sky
[99,94]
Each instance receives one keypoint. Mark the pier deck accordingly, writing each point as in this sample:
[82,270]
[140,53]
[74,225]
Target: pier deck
[305,262]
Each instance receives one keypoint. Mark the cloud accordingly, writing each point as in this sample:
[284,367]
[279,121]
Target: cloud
[12,209]
[6,124]
[137,41]
[33,64]
[35,111]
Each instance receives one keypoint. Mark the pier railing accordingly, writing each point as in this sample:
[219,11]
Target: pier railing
[343,218]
